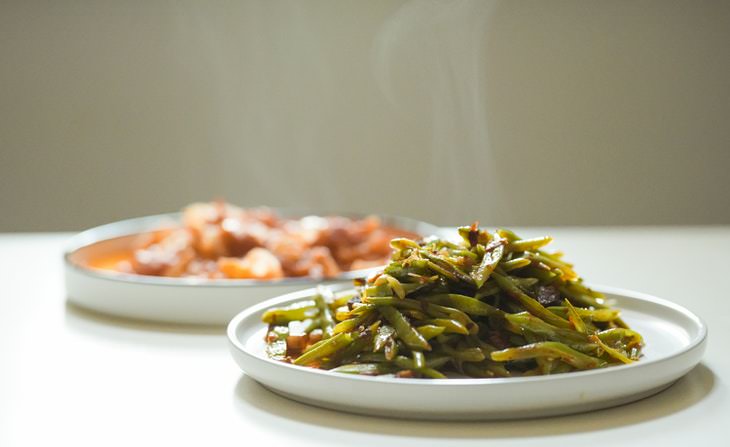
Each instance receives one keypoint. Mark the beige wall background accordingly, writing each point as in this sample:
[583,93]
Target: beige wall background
[510,112]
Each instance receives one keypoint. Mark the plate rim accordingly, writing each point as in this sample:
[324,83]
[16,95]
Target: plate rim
[693,344]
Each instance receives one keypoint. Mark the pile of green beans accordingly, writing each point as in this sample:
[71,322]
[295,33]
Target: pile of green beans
[492,305]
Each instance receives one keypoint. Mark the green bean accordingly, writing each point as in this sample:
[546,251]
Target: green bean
[382,366]
[400,362]
[437,361]
[580,288]
[403,328]
[401,243]
[551,262]
[393,283]
[529,303]
[486,290]
[345,326]
[586,297]
[430,331]
[574,317]
[611,351]
[323,348]
[450,326]
[514,264]
[526,322]
[382,289]
[360,308]
[474,340]
[431,373]
[525,283]
[295,312]
[548,349]
[362,341]
[444,312]
[463,303]
[465,254]
[544,276]
[596,315]
[368,357]
[617,335]
[465,355]
[395,302]
[579,298]
[508,234]
[410,288]
[419,360]
[351,324]
[486,370]
[341,300]
[529,244]
[326,320]
[490,260]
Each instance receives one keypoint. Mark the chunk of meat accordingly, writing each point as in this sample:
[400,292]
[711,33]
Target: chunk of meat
[317,262]
[168,256]
[288,248]
[238,236]
[258,263]
[296,343]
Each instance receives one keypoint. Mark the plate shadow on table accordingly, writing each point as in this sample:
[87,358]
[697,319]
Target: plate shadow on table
[133,331]
[270,409]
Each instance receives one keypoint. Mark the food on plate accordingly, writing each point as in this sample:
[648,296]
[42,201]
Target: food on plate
[492,305]
[219,240]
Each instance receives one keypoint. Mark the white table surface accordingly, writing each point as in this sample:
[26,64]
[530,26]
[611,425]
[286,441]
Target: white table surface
[71,377]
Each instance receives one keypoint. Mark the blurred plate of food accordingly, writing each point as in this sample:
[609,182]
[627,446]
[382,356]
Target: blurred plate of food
[210,261]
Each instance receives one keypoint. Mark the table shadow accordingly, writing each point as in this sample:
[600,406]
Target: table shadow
[129,330]
[269,409]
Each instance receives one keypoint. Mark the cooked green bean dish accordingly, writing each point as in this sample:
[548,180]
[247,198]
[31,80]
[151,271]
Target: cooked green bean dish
[492,305]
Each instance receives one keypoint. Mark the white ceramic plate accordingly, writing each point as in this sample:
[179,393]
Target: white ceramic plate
[674,337]
[180,300]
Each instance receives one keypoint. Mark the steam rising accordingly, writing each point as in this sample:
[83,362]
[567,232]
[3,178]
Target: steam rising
[430,56]
[280,123]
